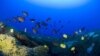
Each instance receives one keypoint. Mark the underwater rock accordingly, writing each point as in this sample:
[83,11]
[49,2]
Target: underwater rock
[20,36]
[18,43]
[9,46]
[40,51]
[25,40]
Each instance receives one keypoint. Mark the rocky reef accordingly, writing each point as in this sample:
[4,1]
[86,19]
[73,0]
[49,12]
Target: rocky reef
[18,43]
[9,46]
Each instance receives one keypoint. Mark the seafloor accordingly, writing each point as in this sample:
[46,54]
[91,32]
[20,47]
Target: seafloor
[17,43]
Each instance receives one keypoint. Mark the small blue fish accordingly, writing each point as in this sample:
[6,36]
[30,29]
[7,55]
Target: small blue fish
[89,49]
[91,34]
[25,13]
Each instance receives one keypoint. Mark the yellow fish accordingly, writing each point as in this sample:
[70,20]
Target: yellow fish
[63,45]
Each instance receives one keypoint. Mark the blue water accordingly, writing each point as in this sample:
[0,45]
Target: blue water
[87,15]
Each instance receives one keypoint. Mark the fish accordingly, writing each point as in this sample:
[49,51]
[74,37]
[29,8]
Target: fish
[44,24]
[2,28]
[48,19]
[11,30]
[25,13]
[91,34]
[89,49]
[79,31]
[73,49]
[96,35]
[75,33]
[82,38]
[45,46]
[2,25]
[70,43]
[38,25]
[19,19]
[34,30]
[62,45]
[65,36]
[25,30]
[82,29]
[32,20]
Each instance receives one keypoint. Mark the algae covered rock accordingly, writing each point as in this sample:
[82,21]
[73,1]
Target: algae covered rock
[7,43]
[40,51]
[9,46]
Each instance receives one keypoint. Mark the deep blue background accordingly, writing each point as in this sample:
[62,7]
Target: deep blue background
[87,16]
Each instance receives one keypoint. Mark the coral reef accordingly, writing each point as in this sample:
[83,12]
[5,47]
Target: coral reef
[9,46]
[18,43]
